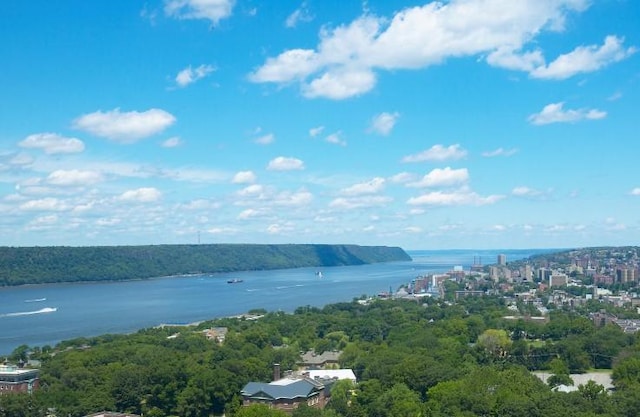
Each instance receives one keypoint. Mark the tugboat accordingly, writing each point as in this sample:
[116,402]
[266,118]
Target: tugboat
[234,281]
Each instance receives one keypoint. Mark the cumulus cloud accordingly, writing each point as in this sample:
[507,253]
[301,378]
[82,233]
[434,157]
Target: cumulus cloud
[523,191]
[461,197]
[282,163]
[125,127]
[250,213]
[74,178]
[172,142]
[402,177]
[44,204]
[315,131]
[265,139]
[499,152]
[635,191]
[585,59]
[446,177]
[213,10]
[52,143]
[349,203]
[190,75]
[555,113]
[347,57]
[383,123]
[336,139]
[370,187]
[244,177]
[437,153]
[141,195]
[300,15]
[252,190]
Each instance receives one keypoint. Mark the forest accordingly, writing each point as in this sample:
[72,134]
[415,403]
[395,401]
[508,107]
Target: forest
[432,358]
[55,264]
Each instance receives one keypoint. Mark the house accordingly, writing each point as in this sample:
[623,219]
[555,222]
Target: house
[286,394]
[14,379]
[217,334]
[111,414]
[312,360]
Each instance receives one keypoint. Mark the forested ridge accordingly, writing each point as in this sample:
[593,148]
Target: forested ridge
[38,265]
[411,359]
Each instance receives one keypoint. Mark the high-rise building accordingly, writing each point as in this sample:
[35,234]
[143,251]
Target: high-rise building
[502,259]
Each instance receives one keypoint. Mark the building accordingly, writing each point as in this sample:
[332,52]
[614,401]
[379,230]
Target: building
[111,414]
[286,394]
[14,379]
[558,280]
[330,374]
[502,259]
[312,360]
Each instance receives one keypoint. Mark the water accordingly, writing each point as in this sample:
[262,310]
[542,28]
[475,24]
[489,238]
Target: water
[47,314]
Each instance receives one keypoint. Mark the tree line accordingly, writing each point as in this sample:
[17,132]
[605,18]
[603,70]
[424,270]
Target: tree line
[432,359]
[39,265]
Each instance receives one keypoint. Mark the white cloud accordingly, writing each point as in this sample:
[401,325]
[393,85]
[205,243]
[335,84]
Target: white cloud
[635,191]
[250,213]
[555,113]
[453,198]
[370,187]
[523,191]
[336,139]
[244,177]
[222,231]
[52,143]
[265,139]
[21,159]
[279,228]
[301,14]
[446,177]
[340,84]
[74,178]
[585,59]
[125,127]
[499,152]
[315,131]
[293,199]
[213,10]
[282,163]
[402,177]
[344,203]
[141,195]
[345,60]
[44,204]
[506,57]
[172,142]
[383,123]
[251,190]
[437,153]
[190,75]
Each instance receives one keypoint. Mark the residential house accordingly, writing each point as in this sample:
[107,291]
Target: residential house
[312,360]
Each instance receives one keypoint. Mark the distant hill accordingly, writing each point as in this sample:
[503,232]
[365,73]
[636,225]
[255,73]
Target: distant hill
[39,265]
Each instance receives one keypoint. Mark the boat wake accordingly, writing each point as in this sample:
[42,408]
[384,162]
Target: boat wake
[284,287]
[30,313]
[35,300]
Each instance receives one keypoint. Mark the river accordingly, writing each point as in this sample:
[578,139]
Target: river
[47,314]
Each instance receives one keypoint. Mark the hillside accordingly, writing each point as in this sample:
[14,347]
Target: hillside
[39,265]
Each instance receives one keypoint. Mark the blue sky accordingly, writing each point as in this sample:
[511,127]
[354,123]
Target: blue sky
[426,125]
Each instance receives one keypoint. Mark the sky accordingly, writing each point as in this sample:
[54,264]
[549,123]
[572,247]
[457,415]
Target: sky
[425,125]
